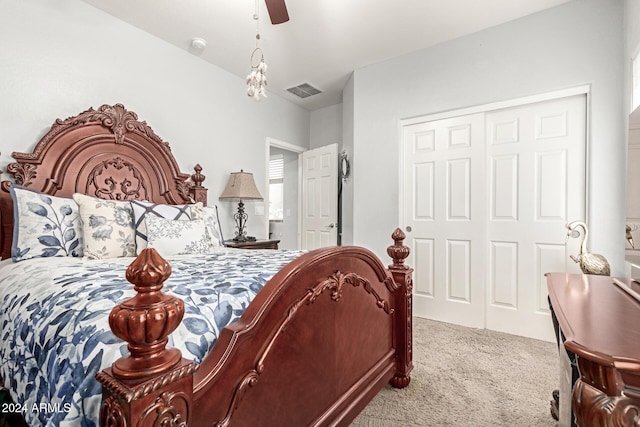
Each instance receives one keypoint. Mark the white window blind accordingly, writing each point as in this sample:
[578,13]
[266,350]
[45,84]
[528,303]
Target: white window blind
[276,168]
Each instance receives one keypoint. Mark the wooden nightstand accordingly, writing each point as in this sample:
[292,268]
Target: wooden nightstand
[256,244]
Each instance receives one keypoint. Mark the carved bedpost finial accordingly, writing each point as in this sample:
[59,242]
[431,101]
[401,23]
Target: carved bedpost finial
[402,275]
[398,251]
[197,192]
[152,386]
[197,177]
[146,320]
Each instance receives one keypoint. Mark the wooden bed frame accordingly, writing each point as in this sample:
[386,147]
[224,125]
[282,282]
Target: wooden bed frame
[318,342]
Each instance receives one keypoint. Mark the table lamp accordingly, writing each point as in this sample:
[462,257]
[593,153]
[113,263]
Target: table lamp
[241,186]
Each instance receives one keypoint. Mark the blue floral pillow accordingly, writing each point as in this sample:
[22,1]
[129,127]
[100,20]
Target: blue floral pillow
[210,216]
[107,227]
[44,226]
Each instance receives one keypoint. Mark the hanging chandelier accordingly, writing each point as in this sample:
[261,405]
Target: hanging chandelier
[257,78]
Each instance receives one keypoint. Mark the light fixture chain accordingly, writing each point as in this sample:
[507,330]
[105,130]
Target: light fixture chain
[256,17]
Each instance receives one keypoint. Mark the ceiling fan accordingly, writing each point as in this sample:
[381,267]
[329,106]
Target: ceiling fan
[277,11]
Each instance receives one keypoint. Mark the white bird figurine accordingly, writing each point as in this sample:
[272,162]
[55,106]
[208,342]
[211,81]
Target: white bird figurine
[589,263]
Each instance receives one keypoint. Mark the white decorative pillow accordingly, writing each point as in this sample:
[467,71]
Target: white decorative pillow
[212,222]
[44,226]
[177,237]
[107,227]
[143,209]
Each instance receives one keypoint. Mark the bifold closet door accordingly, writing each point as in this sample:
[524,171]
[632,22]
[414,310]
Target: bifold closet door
[537,183]
[485,199]
[443,205]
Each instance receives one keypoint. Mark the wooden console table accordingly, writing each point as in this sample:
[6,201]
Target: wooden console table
[601,324]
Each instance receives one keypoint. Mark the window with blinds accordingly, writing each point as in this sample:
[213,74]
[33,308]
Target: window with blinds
[276,188]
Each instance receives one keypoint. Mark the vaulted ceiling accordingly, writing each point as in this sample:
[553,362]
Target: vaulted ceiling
[324,40]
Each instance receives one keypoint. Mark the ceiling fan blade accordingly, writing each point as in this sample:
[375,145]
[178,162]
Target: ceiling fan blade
[277,11]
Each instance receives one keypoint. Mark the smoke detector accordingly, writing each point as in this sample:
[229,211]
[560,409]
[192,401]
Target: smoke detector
[198,43]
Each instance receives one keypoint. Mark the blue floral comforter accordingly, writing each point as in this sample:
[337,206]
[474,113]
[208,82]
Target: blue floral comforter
[55,332]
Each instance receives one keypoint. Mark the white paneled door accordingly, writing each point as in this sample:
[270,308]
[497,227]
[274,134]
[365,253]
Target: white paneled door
[319,225]
[486,197]
[443,202]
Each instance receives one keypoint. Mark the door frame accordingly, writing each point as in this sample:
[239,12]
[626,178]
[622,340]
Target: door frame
[547,96]
[276,143]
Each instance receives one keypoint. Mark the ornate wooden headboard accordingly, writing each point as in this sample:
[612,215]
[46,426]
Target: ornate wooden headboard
[105,153]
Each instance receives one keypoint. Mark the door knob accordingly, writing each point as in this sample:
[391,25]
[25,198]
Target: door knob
[331,225]
[408,228]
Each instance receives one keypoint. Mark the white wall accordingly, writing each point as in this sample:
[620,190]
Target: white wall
[574,44]
[631,49]
[58,58]
[325,126]
[347,145]
[632,39]
[631,45]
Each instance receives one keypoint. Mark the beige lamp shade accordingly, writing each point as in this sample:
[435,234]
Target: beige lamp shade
[241,186]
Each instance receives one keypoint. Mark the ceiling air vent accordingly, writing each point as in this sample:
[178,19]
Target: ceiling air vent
[304,90]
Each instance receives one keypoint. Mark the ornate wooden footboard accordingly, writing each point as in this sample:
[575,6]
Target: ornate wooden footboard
[322,337]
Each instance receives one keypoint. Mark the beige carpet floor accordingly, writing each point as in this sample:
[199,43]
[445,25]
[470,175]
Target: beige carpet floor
[470,377]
